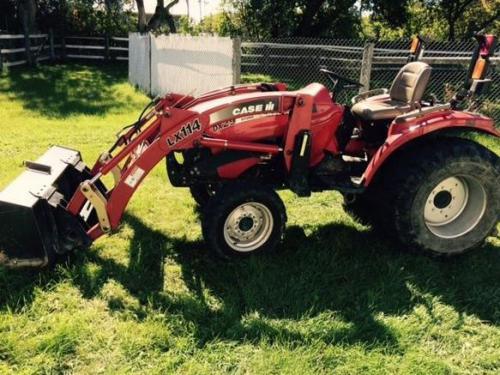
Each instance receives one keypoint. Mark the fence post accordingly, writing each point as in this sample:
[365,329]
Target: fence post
[236,61]
[266,59]
[63,48]
[27,46]
[106,46]
[51,45]
[366,67]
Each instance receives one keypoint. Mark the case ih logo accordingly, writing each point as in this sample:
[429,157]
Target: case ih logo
[184,132]
[254,107]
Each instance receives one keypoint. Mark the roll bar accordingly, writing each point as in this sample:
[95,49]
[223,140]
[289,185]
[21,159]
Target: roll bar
[477,81]
[417,48]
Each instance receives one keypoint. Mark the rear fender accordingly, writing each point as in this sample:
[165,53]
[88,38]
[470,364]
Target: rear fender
[402,136]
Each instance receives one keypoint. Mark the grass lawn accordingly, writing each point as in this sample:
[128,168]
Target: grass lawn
[337,298]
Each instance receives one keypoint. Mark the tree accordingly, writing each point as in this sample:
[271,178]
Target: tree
[9,19]
[390,12]
[141,16]
[437,19]
[452,10]
[483,16]
[28,10]
[337,18]
[162,16]
[464,17]
[260,19]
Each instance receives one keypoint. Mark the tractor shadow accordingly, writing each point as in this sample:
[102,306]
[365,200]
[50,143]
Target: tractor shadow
[337,270]
[354,275]
[59,91]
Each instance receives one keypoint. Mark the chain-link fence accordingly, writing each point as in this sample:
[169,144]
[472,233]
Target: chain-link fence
[297,61]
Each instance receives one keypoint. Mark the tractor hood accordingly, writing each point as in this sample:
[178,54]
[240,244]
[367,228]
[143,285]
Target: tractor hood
[258,105]
[244,104]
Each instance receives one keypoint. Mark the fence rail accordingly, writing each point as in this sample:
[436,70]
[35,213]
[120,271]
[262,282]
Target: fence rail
[19,49]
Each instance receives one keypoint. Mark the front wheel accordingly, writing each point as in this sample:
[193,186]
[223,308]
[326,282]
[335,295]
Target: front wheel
[447,198]
[241,220]
[201,193]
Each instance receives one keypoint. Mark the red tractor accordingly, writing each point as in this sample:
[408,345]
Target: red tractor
[399,161]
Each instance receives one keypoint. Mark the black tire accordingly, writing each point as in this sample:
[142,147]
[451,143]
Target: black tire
[359,207]
[201,193]
[253,201]
[421,192]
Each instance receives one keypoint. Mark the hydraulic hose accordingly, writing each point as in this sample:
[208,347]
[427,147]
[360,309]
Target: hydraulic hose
[136,125]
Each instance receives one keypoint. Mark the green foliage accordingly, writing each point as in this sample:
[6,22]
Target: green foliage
[478,15]
[437,19]
[337,298]
[372,19]
[261,19]
[87,17]
[390,12]
[216,24]
[264,19]
[80,17]
[8,18]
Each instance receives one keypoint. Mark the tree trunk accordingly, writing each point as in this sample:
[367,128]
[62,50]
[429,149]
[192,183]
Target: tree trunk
[28,11]
[454,9]
[162,16]
[451,29]
[305,25]
[28,15]
[141,21]
[171,23]
[275,21]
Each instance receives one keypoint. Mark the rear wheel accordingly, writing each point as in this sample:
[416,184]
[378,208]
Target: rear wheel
[242,220]
[445,197]
[359,207]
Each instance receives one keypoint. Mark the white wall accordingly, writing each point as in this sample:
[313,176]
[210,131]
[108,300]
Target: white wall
[139,67]
[190,65]
[182,64]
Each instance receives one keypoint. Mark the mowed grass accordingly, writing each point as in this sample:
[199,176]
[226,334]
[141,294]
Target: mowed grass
[336,297]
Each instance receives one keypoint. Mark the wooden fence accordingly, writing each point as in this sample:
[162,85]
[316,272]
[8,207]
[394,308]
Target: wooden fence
[19,49]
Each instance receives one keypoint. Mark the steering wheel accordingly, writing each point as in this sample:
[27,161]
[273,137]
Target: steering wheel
[336,79]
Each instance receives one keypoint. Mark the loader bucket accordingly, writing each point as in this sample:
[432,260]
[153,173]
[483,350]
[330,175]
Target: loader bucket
[34,224]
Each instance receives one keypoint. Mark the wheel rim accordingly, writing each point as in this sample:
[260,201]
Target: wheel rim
[455,206]
[248,227]
[211,190]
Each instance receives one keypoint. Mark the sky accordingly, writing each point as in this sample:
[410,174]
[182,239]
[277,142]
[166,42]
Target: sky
[207,7]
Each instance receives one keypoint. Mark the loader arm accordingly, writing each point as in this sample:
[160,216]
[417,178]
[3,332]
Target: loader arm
[169,129]
[165,129]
